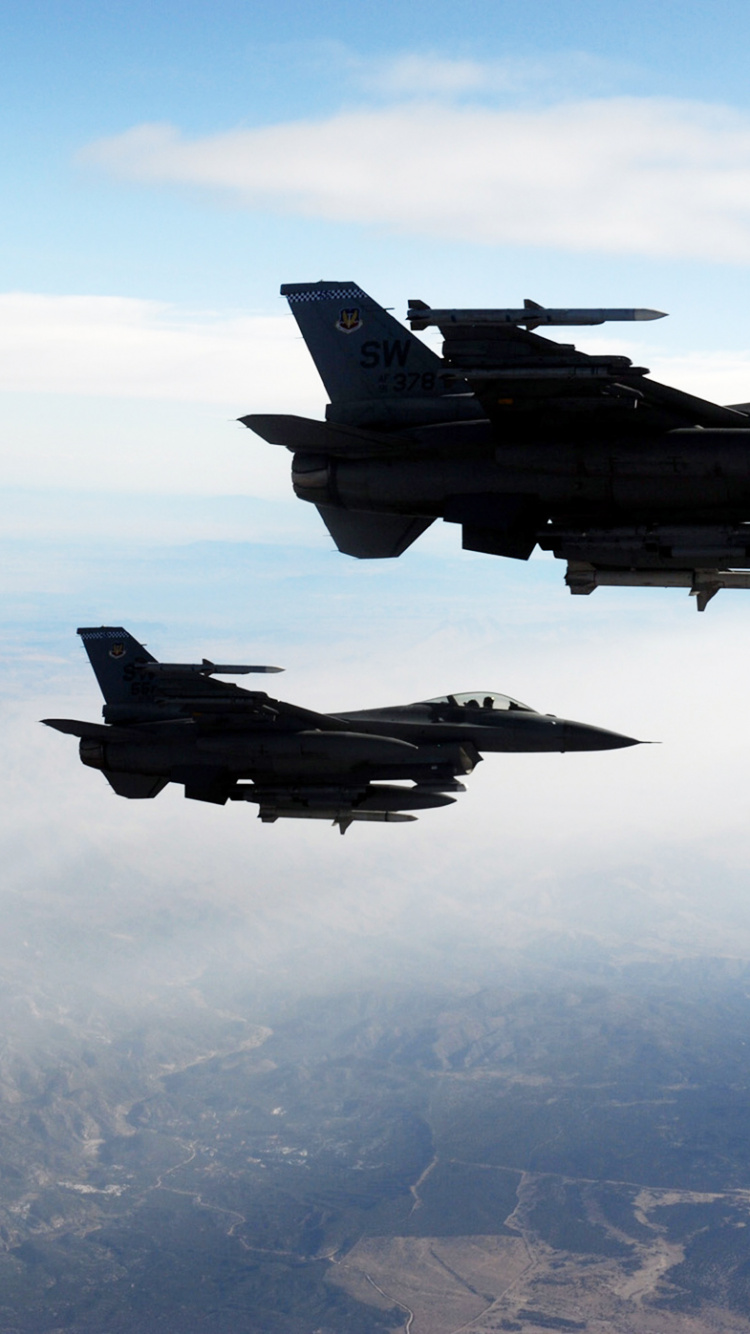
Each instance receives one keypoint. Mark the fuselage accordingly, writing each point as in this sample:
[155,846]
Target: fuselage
[175,723]
[522,440]
[487,721]
[421,742]
[305,755]
[698,475]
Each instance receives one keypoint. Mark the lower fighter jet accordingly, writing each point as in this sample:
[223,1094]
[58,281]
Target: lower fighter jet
[169,722]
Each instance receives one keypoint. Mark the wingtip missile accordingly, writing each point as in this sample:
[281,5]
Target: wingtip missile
[204,668]
[530,315]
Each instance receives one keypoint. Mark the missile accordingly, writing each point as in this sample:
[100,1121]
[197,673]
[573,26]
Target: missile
[420,315]
[205,668]
[342,818]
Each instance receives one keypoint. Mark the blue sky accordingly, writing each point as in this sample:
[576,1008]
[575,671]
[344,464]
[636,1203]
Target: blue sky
[75,73]
[165,167]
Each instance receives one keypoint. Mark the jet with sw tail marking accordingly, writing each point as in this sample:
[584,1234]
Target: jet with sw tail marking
[521,440]
[175,723]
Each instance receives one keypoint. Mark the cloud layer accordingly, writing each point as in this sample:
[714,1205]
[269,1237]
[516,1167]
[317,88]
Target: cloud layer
[552,76]
[622,175]
[553,840]
[110,393]
[110,345]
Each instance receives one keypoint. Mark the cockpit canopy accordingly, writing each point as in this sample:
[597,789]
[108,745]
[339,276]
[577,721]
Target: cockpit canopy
[483,700]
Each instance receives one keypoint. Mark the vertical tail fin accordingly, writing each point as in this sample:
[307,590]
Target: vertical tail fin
[361,352]
[113,654]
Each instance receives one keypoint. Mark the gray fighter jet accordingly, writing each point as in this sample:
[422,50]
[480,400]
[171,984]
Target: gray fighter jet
[169,722]
[520,440]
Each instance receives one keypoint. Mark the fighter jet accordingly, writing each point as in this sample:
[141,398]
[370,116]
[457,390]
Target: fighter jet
[521,440]
[167,722]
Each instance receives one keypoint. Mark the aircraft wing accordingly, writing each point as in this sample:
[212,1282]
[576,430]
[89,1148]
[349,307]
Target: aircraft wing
[511,369]
[544,387]
[696,411]
[240,713]
[268,713]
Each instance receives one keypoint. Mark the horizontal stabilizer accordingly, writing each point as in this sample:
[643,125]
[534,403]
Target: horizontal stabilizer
[372,536]
[93,731]
[303,434]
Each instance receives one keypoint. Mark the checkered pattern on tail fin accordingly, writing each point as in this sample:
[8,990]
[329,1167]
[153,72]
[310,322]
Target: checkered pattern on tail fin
[361,352]
[113,653]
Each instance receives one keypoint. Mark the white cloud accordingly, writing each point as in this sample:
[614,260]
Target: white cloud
[418,75]
[530,821]
[424,76]
[721,375]
[110,345]
[625,175]
[110,393]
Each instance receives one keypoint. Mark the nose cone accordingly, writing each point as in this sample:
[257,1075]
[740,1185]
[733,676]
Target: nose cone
[579,736]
